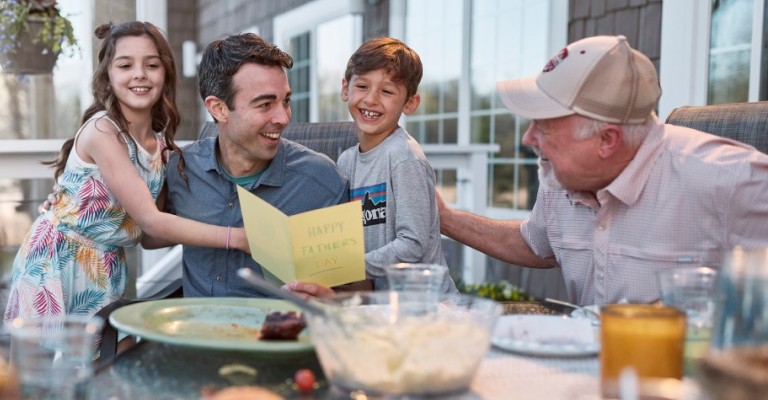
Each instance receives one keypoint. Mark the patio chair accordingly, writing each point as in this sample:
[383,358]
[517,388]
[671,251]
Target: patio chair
[745,122]
[329,138]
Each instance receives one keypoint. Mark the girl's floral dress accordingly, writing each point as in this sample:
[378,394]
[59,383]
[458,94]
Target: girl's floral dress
[72,261]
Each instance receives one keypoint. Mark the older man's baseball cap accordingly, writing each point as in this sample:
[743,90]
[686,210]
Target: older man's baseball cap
[600,77]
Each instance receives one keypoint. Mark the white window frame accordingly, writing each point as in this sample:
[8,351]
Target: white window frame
[684,64]
[307,18]
[474,262]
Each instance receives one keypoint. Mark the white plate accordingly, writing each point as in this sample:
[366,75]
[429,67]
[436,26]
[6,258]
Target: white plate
[229,323]
[546,335]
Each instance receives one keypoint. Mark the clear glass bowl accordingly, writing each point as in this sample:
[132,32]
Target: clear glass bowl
[403,343]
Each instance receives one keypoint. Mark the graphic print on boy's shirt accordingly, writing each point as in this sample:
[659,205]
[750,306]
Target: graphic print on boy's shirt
[374,201]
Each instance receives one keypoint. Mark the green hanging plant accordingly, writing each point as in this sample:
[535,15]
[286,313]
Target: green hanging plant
[56,35]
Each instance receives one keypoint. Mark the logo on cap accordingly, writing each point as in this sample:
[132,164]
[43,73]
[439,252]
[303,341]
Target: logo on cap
[557,59]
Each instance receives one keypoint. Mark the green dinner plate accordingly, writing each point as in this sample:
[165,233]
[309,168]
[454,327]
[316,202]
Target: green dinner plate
[227,323]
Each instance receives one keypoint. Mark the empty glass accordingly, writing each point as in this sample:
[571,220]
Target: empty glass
[691,289]
[52,357]
[404,277]
[418,285]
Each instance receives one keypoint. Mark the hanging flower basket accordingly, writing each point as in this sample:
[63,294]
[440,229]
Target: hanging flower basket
[30,56]
[32,35]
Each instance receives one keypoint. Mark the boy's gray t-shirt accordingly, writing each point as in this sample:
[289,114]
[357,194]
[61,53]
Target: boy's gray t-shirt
[396,186]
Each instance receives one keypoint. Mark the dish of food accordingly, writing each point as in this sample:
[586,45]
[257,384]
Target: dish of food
[227,323]
[280,325]
[546,335]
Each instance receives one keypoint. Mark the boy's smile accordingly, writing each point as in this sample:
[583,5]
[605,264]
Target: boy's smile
[375,102]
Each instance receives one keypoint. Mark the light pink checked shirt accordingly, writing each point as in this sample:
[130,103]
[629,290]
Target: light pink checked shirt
[684,198]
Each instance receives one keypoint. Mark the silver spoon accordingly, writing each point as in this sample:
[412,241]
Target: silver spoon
[593,316]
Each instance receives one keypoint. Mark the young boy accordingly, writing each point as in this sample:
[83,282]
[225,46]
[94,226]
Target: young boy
[387,171]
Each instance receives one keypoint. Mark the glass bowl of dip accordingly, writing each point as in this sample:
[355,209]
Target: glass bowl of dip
[402,343]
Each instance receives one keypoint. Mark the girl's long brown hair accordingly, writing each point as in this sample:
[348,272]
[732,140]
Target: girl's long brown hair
[165,113]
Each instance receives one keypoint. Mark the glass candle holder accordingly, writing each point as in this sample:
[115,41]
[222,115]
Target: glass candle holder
[647,338]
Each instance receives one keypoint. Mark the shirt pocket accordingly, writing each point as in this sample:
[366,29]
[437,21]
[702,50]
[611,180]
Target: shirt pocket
[634,270]
[661,257]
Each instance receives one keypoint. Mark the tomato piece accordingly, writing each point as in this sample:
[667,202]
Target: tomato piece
[305,380]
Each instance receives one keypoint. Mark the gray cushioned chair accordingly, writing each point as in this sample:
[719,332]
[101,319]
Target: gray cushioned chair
[329,138]
[745,122]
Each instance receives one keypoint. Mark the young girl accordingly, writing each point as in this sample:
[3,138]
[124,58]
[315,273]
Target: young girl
[109,177]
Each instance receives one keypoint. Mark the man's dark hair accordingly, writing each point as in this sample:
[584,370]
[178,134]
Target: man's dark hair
[222,58]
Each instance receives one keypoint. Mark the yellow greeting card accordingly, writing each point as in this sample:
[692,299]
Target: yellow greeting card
[323,246]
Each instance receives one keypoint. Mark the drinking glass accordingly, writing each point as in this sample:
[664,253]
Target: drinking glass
[8,382]
[742,299]
[426,278]
[51,357]
[418,286]
[734,367]
[691,289]
[647,338]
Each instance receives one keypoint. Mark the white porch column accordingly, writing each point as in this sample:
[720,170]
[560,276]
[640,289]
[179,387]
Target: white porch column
[154,11]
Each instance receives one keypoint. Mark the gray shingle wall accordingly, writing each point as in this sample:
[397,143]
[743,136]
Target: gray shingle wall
[638,20]
[217,18]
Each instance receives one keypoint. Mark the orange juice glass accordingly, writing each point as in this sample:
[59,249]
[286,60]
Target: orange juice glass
[648,338]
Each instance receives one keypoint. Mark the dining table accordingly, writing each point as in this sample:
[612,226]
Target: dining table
[154,370]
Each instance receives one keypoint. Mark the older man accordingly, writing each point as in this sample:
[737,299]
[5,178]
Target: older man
[244,86]
[621,194]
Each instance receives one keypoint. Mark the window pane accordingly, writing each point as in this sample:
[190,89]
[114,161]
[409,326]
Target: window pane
[507,135]
[431,30]
[416,129]
[514,185]
[446,184]
[430,98]
[334,38]
[432,134]
[300,109]
[481,130]
[298,77]
[508,37]
[450,131]
[503,187]
[728,77]
[730,44]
